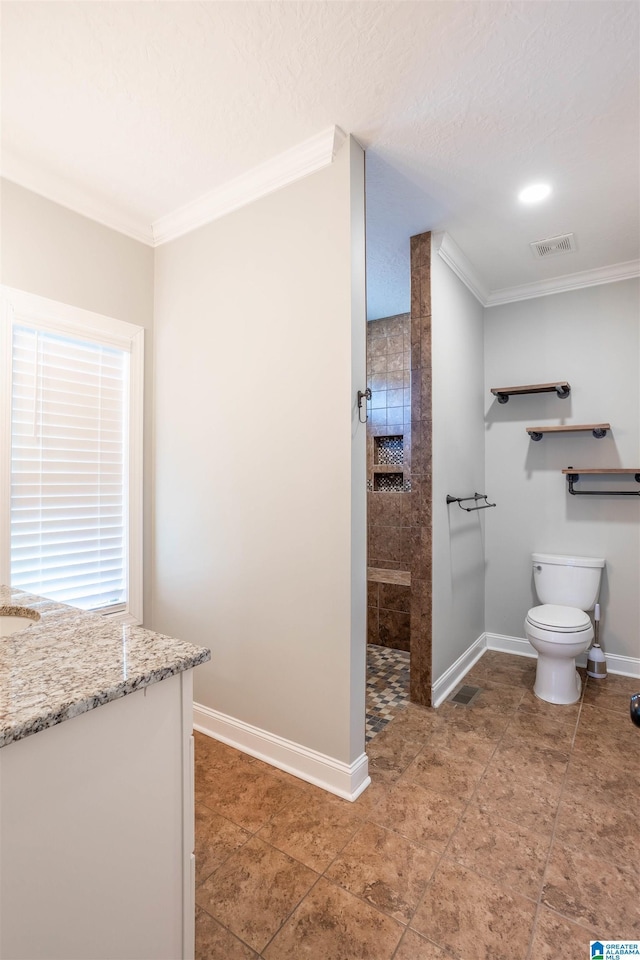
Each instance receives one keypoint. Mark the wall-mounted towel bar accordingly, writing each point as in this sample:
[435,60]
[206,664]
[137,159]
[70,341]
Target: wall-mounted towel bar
[476,497]
[573,475]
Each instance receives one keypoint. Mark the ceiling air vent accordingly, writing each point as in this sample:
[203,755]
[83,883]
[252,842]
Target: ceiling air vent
[553,246]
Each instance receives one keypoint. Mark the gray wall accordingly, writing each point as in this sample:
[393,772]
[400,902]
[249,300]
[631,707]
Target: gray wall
[589,337]
[260,460]
[56,253]
[458,466]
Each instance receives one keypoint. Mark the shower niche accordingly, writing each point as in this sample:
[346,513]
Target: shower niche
[389,450]
[388,457]
[388,482]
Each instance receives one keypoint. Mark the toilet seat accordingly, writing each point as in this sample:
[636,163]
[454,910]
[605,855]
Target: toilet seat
[558,619]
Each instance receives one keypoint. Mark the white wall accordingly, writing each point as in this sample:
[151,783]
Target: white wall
[54,252]
[458,466]
[589,337]
[259,461]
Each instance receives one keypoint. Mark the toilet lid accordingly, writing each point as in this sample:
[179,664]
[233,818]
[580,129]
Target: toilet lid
[551,616]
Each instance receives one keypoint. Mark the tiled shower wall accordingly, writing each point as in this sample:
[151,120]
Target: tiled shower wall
[389,608]
[399,524]
[421,486]
[389,477]
[389,376]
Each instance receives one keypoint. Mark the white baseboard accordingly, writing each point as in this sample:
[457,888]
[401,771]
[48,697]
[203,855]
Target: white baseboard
[616,663]
[519,646]
[456,672]
[623,666]
[343,779]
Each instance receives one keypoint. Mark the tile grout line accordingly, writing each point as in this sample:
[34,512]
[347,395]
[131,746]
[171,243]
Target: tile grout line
[254,834]
[443,853]
[291,912]
[405,926]
[453,832]
[539,903]
[268,843]
[277,849]
[366,818]
[361,823]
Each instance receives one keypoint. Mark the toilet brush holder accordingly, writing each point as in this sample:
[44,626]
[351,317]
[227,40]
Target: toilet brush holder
[596,663]
[596,660]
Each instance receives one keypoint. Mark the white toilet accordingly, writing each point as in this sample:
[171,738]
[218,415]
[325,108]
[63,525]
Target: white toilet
[559,630]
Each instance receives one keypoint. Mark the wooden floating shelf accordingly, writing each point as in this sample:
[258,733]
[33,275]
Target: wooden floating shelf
[599,430]
[560,387]
[602,470]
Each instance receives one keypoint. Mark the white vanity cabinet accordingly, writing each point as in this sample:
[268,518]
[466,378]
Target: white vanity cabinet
[96,832]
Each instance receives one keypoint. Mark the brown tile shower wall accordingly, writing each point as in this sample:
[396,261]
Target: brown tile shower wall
[389,613]
[389,376]
[388,516]
[421,494]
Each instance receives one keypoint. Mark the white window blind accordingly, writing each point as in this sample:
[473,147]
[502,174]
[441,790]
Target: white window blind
[69,470]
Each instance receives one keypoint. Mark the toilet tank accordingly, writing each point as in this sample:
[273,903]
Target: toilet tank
[568,581]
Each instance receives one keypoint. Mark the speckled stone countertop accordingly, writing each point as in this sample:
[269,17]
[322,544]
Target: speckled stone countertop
[69,662]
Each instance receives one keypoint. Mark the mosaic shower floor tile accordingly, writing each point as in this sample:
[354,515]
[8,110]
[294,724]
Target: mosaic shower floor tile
[387,686]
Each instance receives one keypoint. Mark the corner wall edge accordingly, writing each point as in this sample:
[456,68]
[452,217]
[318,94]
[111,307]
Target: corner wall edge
[449,251]
[342,779]
[450,679]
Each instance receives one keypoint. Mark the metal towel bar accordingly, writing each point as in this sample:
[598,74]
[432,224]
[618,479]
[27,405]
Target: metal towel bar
[476,497]
[572,479]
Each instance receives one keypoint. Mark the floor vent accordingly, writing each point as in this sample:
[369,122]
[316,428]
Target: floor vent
[465,695]
[553,246]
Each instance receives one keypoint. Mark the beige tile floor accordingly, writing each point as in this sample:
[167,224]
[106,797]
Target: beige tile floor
[508,830]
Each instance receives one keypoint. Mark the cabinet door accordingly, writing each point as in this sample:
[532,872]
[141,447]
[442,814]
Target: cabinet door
[92,832]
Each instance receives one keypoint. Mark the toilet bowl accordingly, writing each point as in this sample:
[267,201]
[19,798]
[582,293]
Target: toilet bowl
[559,629]
[558,635]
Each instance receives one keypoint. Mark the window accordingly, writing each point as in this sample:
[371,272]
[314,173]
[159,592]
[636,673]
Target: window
[72,442]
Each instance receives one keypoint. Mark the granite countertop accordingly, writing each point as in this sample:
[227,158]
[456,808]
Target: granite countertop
[69,662]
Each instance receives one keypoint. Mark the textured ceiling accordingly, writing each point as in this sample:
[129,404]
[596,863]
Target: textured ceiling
[145,106]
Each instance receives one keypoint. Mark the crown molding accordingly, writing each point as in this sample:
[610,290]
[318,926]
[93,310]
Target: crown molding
[307,157]
[74,197]
[570,281]
[453,256]
[450,252]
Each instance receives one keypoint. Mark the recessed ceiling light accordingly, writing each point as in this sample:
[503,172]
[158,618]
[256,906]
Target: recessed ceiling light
[534,193]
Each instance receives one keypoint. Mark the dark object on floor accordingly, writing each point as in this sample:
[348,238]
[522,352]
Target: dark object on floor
[634,709]
[465,695]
